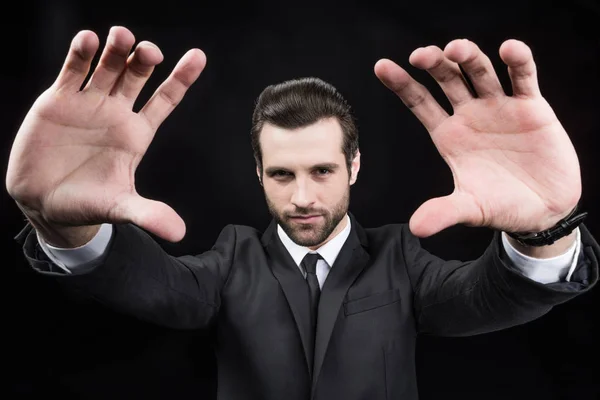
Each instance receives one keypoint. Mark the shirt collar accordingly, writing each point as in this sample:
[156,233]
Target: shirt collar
[329,251]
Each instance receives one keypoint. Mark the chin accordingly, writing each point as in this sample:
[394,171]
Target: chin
[306,240]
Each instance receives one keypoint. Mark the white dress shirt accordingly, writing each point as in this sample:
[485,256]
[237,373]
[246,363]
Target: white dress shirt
[329,251]
[547,270]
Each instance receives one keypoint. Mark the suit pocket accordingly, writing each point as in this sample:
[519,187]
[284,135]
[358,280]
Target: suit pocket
[371,302]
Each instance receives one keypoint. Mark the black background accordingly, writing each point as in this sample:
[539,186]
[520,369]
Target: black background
[201,164]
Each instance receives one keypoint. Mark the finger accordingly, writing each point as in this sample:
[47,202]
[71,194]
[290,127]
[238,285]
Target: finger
[172,90]
[521,68]
[447,73]
[113,59]
[476,65]
[140,65]
[78,61]
[440,213]
[414,95]
[154,216]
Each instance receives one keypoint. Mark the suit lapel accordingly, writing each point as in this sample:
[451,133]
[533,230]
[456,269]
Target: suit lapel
[294,287]
[346,268]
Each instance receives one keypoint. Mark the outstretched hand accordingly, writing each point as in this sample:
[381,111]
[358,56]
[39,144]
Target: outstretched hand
[514,166]
[74,158]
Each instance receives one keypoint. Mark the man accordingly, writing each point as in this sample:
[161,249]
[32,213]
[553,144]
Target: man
[316,307]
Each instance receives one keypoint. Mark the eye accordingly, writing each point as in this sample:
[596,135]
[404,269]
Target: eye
[281,174]
[323,171]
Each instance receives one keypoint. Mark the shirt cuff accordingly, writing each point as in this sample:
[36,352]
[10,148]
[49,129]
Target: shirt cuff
[545,270]
[70,259]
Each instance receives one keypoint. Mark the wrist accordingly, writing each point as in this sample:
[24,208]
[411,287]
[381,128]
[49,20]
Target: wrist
[559,247]
[563,228]
[68,237]
[557,218]
[62,236]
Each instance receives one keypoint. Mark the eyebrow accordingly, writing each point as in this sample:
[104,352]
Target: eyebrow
[332,166]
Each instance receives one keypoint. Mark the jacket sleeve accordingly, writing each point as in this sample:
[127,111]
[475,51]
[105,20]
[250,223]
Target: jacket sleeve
[457,298]
[137,277]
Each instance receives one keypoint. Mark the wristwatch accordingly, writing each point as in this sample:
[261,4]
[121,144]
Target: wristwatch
[562,228]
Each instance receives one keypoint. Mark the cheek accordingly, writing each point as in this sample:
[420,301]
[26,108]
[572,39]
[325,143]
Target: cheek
[277,194]
[331,192]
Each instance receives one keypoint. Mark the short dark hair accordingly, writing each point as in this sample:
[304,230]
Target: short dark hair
[301,102]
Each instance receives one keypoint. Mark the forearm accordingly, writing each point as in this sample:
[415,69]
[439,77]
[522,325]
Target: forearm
[466,298]
[137,277]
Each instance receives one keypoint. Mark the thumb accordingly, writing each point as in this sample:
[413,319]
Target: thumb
[154,216]
[440,213]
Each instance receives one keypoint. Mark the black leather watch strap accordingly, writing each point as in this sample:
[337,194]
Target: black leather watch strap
[562,228]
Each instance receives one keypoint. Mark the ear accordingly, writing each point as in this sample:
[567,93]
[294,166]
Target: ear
[259,175]
[354,168]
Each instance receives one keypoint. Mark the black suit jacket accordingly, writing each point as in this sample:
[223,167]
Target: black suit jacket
[382,291]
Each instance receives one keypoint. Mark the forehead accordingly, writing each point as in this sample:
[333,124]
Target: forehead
[316,143]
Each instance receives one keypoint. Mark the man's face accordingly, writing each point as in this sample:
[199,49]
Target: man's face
[306,182]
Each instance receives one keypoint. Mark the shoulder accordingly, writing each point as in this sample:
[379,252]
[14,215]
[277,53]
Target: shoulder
[240,233]
[390,236]
[245,231]
[387,232]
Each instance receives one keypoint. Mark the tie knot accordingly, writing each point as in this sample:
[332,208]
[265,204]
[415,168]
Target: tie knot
[310,262]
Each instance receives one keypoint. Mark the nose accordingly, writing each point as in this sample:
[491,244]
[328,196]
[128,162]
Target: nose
[304,195]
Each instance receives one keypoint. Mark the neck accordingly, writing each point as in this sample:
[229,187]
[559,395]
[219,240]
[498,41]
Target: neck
[340,227]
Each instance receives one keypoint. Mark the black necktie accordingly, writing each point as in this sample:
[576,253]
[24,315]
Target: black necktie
[314,291]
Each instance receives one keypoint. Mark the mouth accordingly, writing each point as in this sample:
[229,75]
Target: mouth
[304,218]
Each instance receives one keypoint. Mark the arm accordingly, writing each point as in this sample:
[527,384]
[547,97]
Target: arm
[455,298]
[136,277]
[72,168]
[514,170]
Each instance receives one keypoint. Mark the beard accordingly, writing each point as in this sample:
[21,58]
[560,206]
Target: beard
[311,234]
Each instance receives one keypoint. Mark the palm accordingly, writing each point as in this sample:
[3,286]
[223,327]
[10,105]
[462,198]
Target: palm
[75,155]
[513,164]
[99,147]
